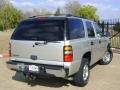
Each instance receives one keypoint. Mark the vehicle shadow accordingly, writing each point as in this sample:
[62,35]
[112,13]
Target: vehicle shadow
[43,81]
[94,65]
[46,81]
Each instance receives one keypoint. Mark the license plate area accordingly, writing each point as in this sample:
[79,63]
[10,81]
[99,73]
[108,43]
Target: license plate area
[36,69]
[33,68]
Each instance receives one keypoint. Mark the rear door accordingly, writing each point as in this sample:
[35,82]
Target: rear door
[39,40]
[93,41]
[101,40]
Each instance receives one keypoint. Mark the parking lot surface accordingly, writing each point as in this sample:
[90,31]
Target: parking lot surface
[103,77]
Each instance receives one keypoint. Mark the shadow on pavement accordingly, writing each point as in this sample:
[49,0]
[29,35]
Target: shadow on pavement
[94,65]
[46,81]
[43,81]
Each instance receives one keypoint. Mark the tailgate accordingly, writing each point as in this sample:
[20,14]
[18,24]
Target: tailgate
[52,51]
[39,39]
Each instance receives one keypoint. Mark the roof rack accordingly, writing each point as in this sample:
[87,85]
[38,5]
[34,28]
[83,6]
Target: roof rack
[67,15]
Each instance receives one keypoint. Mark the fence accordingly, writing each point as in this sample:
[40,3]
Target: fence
[109,25]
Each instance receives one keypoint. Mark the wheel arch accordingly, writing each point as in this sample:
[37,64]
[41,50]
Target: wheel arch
[87,55]
[108,46]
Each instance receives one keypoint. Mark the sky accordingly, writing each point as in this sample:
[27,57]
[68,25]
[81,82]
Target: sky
[107,9]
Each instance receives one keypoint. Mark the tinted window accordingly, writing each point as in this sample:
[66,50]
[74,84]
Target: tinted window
[76,29]
[98,29]
[90,29]
[40,30]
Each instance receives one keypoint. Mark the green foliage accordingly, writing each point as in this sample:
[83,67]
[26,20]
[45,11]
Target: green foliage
[9,16]
[57,13]
[86,11]
[117,27]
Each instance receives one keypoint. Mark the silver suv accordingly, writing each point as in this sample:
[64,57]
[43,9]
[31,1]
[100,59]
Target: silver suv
[61,46]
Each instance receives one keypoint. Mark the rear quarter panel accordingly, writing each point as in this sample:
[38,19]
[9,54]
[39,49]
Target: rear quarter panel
[80,47]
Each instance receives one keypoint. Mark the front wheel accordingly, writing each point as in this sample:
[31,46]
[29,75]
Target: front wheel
[82,77]
[107,57]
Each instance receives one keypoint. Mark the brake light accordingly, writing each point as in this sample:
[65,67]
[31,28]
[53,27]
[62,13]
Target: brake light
[10,50]
[68,53]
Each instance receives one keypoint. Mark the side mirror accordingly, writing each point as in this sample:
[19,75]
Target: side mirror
[98,35]
[106,34]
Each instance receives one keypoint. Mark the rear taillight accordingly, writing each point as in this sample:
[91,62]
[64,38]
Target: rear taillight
[68,53]
[9,49]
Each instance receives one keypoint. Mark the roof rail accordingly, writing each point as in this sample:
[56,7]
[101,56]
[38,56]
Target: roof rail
[67,15]
[79,17]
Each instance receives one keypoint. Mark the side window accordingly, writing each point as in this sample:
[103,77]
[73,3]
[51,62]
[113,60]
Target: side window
[76,28]
[90,29]
[98,29]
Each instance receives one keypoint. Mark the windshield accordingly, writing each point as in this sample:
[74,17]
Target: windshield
[40,30]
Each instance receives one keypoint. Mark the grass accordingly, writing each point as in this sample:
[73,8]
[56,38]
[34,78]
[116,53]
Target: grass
[4,40]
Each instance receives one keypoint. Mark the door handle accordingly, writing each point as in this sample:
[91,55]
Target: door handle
[92,43]
[100,41]
[37,43]
[40,43]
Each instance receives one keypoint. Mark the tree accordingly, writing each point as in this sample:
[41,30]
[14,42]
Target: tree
[72,7]
[57,13]
[89,12]
[9,16]
[36,12]
[3,3]
[45,12]
[117,27]
[85,11]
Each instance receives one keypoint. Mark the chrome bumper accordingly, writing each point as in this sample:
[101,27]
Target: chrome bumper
[57,71]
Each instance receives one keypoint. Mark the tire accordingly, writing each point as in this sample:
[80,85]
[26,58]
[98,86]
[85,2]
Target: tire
[107,57]
[80,79]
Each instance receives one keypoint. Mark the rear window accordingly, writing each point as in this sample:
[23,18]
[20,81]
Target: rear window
[40,30]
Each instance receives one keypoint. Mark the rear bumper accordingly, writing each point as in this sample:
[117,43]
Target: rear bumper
[57,71]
